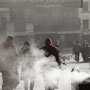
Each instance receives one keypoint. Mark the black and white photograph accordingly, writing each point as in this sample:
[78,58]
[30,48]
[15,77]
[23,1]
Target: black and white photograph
[44,44]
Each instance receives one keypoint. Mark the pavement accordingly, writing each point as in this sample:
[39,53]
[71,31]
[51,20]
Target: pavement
[71,63]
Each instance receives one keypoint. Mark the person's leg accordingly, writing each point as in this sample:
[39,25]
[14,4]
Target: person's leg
[89,61]
[78,54]
[7,84]
[14,78]
[10,80]
[75,56]
[26,84]
[84,57]
[31,85]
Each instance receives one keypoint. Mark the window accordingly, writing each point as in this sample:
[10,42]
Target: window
[20,27]
[86,24]
[29,27]
[85,6]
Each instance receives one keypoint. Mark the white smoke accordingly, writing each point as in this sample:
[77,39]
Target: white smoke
[46,71]
[36,64]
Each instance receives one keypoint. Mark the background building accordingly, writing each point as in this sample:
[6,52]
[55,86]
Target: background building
[84,14]
[39,19]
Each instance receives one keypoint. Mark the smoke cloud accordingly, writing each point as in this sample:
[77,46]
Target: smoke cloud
[45,71]
[42,70]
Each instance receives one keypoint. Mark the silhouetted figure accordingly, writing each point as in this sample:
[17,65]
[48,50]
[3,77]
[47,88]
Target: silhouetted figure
[76,50]
[8,65]
[83,47]
[85,42]
[51,50]
[87,52]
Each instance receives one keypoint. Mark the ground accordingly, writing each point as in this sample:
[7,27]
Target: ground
[83,66]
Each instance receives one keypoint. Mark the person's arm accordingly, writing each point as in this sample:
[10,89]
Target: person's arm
[15,50]
[57,57]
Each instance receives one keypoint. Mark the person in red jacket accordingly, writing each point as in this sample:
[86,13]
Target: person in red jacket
[8,65]
[51,50]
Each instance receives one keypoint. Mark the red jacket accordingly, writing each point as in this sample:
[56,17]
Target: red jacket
[51,50]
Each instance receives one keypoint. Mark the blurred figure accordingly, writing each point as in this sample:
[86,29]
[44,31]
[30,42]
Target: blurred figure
[25,51]
[8,64]
[87,52]
[57,46]
[76,50]
[25,48]
[85,42]
[83,47]
[51,50]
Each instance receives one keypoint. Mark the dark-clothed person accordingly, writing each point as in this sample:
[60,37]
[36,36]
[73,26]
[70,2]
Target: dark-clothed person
[83,47]
[87,52]
[76,50]
[8,65]
[51,50]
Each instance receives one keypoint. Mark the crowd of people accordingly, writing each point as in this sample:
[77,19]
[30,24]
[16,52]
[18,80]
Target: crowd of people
[9,57]
[84,49]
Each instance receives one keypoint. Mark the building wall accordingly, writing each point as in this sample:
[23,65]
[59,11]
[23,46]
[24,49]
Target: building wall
[46,16]
[84,14]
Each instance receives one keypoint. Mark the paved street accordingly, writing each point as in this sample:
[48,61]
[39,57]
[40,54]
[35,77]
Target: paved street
[84,67]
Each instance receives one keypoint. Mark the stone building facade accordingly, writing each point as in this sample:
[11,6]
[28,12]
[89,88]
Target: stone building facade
[39,19]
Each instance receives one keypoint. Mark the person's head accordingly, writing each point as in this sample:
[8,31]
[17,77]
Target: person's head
[48,41]
[83,44]
[57,42]
[77,42]
[27,44]
[10,39]
[87,44]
